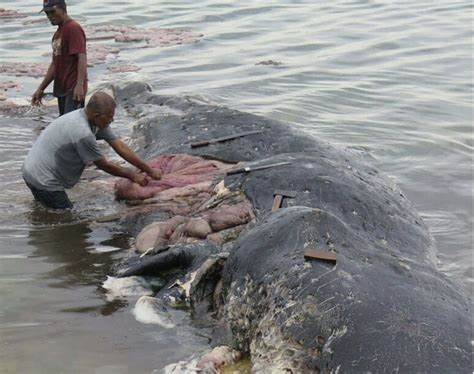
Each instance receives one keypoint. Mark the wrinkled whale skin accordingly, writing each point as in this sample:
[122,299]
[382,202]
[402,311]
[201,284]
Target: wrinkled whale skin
[384,307]
[375,311]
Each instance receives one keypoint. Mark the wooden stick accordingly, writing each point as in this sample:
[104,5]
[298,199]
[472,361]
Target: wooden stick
[277,202]
[313,254]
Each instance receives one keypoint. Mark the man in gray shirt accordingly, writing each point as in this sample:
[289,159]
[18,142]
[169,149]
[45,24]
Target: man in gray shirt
[62,151]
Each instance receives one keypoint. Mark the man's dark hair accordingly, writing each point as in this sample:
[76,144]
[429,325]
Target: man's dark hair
[100,102]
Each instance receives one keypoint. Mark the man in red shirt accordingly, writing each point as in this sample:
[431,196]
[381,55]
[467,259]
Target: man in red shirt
[68,68]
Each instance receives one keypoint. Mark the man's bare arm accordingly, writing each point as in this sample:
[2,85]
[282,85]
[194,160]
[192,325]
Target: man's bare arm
[127,154]
[118,171]
[78,93]
[48,78]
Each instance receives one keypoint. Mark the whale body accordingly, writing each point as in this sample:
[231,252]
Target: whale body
[381,307]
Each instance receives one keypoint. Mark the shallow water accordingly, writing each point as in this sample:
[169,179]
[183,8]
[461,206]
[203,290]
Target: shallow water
[391,79]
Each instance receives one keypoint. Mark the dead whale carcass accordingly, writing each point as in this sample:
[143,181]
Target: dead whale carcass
[382,307]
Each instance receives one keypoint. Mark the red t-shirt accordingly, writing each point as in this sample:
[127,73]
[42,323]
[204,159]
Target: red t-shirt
[68,41]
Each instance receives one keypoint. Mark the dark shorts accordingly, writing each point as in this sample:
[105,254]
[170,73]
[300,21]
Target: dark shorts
[66,104]
[51,199]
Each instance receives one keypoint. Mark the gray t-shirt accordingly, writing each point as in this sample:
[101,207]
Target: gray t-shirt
[61,152]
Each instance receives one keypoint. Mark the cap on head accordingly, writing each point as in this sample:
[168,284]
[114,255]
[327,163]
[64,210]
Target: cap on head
[49,4]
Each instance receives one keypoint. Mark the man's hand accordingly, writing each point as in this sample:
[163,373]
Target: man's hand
[36,98]
[78,93]
[155,174]
[114,169]
[139,178]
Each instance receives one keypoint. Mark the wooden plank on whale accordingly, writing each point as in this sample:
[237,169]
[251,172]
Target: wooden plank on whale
[314,254]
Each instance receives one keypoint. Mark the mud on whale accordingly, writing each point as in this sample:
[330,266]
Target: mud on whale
[226,256]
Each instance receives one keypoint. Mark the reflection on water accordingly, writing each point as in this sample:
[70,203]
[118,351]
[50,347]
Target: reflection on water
[66,239]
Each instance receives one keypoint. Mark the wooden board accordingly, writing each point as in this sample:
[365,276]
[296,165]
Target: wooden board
[314,254]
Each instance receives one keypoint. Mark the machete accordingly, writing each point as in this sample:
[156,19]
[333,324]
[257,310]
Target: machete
[224,138]
[250,168]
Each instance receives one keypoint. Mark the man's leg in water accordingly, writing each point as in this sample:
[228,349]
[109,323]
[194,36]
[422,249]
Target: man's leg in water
[51,199]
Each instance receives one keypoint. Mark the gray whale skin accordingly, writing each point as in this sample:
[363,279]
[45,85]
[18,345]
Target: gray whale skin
[383,308]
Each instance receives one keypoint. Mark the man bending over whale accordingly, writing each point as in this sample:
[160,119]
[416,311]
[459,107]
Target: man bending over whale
[61,153]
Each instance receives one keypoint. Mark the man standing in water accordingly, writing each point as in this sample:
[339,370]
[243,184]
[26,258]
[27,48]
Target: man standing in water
[68,68]
[63,149]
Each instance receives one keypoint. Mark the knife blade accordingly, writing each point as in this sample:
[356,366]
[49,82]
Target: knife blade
[253,168]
